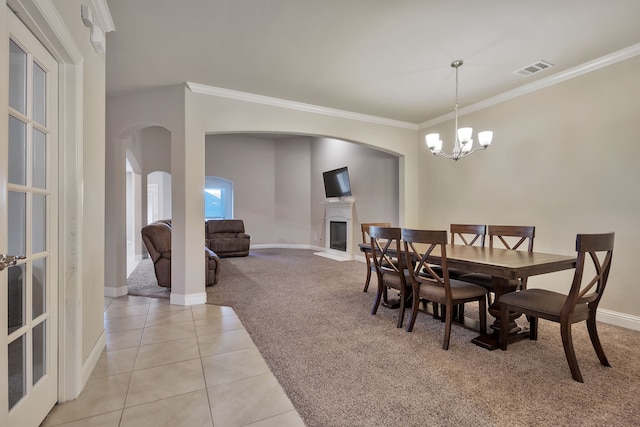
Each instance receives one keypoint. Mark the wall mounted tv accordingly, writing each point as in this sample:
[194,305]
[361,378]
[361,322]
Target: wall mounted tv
[336,182]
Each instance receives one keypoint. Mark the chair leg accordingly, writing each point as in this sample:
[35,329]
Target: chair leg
[403,298]
[533,327]
[366,282]
[567,342]
[414,312]
[376,304]
[447,326]
[595,340]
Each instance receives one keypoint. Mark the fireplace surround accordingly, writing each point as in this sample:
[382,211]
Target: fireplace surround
[340,214]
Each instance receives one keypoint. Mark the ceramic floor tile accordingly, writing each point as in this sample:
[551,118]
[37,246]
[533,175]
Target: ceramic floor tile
[170,332]
[233,366]
[125,323]
[218,324]
[115,362]
[124,339]
[167,317]
[107,302]
[186,410]
[210,310]
[167,352]
[132,299]
[239,403]
[125,310]
[99,396]
[162,304]
[153,384]
[288,419]
[112,419]
[224,342]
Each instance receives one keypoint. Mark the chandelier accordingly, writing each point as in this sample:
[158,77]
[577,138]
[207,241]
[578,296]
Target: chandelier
[463,143]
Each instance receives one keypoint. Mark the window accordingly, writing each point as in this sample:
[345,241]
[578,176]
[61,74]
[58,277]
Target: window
[218,198]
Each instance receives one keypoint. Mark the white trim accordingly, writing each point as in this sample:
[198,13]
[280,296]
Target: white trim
[115,291]
[619,319]
[284,246]
[292,105]
[103,14]
[613,58]
[189,299]
[93,357]
[43,19]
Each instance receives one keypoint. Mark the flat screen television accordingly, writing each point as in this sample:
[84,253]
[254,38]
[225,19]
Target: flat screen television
[336,182]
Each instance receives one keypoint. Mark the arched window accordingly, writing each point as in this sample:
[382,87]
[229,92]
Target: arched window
[218,198]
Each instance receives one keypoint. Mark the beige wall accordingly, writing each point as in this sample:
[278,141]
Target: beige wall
[278,186]
[563,159]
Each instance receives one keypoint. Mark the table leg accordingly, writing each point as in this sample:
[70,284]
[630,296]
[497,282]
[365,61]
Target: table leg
[491,341]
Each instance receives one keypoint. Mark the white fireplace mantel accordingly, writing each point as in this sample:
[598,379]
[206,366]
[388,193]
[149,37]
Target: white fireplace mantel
[340,210]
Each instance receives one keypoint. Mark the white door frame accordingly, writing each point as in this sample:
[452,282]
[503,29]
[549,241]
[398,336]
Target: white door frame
[44,21]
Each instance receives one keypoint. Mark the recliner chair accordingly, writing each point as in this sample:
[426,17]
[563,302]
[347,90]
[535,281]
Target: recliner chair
[157,239]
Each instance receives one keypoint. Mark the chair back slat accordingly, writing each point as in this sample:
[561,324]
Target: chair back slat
[599,249]
[470,234]
[365,229]
[428,241]
[521,233]
[386,250]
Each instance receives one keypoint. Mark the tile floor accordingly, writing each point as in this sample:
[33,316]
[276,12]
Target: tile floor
[167,365]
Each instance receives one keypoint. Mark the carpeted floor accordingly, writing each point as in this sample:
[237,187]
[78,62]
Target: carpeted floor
[342,366]
[142,281]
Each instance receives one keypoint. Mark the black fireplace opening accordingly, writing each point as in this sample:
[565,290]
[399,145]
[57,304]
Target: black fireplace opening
[338,235]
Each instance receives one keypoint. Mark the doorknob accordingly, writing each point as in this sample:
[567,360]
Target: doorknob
[9,260]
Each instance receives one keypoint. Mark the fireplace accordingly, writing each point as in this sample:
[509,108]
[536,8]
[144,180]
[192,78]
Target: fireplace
[338,235]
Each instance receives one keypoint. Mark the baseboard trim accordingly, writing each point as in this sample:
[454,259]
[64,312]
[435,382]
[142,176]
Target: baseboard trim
[281,246]
[94,356]
[188,299]
[115,292]
[619,319]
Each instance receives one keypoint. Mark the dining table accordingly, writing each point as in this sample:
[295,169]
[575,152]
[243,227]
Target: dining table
[507,268]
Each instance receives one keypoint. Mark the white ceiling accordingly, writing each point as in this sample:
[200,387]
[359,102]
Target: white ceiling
[384,58]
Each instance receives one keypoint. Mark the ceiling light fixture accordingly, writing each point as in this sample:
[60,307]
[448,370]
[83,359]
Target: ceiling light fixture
[463,142]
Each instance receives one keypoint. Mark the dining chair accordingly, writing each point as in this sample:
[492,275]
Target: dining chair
[466,234]
[431,286]
[513,237]
[386,254]
[581,303]
[367,256]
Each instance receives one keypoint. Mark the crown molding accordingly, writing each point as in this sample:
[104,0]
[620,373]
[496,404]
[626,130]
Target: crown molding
[596,64]
[103,13]
[292,105]
[45,22]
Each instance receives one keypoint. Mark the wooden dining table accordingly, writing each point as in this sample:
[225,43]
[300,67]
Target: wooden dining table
[505,268]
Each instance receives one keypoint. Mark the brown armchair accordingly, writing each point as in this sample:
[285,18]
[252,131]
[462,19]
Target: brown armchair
[157,239]
[226,237]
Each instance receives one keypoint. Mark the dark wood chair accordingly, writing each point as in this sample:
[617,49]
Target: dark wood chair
[465,234]
[386,255]
[430,286]
[367,256]
[581,303]
[513,237]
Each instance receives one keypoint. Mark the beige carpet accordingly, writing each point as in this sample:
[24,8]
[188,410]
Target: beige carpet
[342,366]
[142,281]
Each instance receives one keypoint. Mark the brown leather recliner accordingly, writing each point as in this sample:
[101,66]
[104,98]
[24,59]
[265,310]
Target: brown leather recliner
[157,239]
[226,237]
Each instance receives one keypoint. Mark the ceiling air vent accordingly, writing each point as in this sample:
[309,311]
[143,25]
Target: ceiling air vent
[533,68]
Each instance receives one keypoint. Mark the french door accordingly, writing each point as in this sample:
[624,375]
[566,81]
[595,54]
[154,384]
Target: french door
[28,290]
